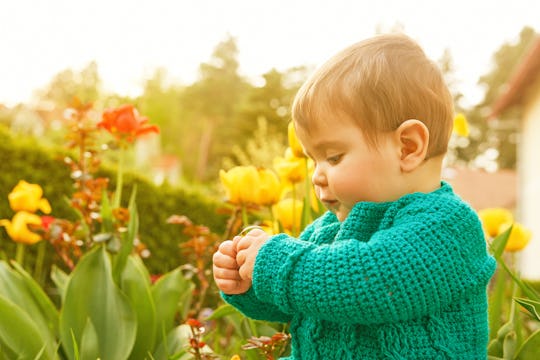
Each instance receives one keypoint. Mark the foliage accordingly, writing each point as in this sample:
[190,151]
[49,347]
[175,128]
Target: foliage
[492,144]
[107,303]
[67,84]
[98,315]
[259,150]
[24,158]
[108,307]
[517,337]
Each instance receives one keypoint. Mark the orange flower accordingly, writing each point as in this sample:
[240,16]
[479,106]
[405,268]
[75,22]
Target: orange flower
[124,122]
[194,323]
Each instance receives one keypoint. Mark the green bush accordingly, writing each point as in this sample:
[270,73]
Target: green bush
[23,158]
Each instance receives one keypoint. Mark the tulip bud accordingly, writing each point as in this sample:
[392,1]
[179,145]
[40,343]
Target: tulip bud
[294,143]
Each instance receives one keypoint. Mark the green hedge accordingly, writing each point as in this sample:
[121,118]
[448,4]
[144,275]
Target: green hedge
[24,158]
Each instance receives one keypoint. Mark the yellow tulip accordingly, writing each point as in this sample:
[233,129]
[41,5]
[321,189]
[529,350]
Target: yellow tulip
[28,197]
[519,237]
[289,213]
[493,218]
[290,168]
[461,127]
[241,184]
[236,357]
[294,143]
[269,191]
[17,228]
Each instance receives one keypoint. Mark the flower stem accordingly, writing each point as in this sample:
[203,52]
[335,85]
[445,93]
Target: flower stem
[293,226]
[273,221]
[19,256]
[306,209]
[38,268]
[245,220]
[119,178]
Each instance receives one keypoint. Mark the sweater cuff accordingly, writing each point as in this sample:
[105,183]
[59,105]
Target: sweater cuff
[273,268]
[240,301]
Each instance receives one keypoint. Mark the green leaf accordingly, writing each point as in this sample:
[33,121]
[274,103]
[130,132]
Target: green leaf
[60,279]
[43,302]
[92,294]
[222,311]
[89,342]
[106,214]
[128,238]
[21,289]
[495,347]
[499,243]
[509,345]
[40,353]
[19,333]
[533,307]
[135,283]
[530,349]
[171,293]
[175,343]
[75,346]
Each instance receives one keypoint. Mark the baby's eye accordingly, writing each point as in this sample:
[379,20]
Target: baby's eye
[334,159]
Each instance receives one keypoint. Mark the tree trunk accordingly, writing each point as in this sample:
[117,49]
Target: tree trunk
[204,149]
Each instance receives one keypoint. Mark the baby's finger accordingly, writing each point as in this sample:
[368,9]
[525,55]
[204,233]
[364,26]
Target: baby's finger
[230,287]
[224,261]
[241,257]
[235,241]
[246,273]
[243,243]
[225,274]
[227,247]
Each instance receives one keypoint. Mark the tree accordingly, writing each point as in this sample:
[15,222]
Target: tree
[211,104]
[500,135]
[67,84]
[160,102]
[272,101]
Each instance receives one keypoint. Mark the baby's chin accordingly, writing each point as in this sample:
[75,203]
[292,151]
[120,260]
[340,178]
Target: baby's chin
[340,213]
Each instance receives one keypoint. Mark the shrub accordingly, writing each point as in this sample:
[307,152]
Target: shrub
[25,158]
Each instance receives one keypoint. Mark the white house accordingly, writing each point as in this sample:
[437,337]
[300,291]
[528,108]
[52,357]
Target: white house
[523,90]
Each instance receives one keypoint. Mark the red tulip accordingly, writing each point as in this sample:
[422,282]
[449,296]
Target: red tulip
[124,122]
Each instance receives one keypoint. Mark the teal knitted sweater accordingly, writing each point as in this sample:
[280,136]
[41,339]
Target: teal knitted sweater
[395,280]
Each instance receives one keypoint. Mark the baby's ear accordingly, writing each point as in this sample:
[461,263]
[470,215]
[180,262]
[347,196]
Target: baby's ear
[413,137]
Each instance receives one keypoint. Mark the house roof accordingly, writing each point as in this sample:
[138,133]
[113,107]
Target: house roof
[524,75]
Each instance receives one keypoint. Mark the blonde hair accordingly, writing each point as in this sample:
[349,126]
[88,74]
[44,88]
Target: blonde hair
[379,83]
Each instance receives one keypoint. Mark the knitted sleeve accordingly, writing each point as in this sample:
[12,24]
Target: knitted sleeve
[248,303]
[425,261]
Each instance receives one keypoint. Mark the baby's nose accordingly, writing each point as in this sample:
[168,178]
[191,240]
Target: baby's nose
[318,178]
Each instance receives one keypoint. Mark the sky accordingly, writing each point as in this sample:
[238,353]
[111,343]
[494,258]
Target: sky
[130,39]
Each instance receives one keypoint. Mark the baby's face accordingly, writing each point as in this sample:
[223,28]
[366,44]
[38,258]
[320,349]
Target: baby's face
[348,169]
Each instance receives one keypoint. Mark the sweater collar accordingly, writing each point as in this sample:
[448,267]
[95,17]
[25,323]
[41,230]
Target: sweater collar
[370,217]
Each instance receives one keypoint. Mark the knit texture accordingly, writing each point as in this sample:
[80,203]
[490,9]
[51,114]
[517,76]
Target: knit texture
[395,280]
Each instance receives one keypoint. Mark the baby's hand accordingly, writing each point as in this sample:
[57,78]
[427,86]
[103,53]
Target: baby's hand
[226,270]
[247,248]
